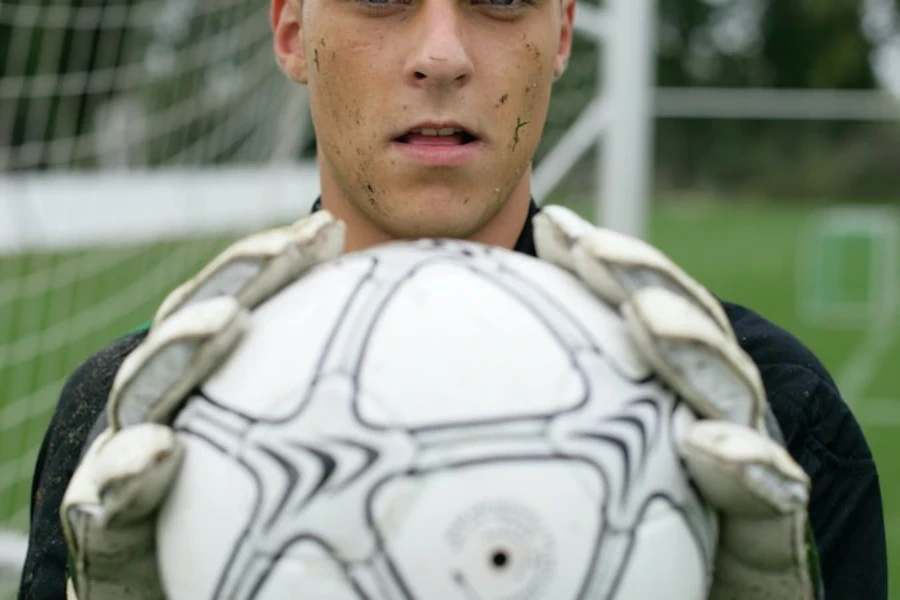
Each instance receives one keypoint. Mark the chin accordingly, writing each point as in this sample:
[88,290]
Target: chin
[459,222]
[430,228]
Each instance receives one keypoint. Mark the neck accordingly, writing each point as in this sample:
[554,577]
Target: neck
[502,229]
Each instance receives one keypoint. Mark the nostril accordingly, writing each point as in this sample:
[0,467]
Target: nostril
[420,75]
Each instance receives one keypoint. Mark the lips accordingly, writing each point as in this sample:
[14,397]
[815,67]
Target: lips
[437,134]
[438,144]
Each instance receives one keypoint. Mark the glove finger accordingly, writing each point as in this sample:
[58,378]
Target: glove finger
[124,576]
[765,575]
[679,340]
[765,545]
[177,355]
[607,260]
[122,478]
[556,231]
[83,490]
[614,265]
[254,268]
[107,508]
[741,472]
[761,495]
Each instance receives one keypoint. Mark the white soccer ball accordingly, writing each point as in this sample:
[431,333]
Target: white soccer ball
[434,420]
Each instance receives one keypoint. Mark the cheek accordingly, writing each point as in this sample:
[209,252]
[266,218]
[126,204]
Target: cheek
[345,103]
[339,89]
[330,86]
[524,101]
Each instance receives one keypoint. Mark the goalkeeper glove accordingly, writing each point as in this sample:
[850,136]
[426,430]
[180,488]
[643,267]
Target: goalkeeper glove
[759,492]
[109,509]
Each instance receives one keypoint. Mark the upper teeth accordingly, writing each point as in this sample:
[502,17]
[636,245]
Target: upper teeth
[445,131]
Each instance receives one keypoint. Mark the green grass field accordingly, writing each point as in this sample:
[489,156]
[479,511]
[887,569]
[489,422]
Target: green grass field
[57,309]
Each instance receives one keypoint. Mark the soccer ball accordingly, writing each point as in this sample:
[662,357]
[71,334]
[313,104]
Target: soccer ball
[434,420]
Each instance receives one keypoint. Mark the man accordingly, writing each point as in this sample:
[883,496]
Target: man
[427,115]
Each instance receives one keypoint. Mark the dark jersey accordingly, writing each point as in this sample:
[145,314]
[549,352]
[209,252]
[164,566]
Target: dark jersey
[819,430]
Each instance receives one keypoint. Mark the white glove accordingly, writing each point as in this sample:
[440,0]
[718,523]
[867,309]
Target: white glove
[108,511]
[760,493]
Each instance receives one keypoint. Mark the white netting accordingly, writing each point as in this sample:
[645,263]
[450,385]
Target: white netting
[157,82]
[90,89]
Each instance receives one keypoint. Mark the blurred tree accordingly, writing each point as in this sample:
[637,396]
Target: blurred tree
[765,43]
[815,44]
[780,44]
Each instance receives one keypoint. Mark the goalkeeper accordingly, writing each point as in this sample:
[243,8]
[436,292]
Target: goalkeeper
[427,116]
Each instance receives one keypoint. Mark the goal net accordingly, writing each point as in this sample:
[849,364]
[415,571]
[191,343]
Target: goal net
[137,138]
[130,136]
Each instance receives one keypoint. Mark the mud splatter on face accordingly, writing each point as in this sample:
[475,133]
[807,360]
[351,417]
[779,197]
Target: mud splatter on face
[519,125]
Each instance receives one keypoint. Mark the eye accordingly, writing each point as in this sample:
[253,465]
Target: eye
[504,4]
[378,4]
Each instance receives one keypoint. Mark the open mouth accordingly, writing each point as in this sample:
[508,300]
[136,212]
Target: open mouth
[448,136]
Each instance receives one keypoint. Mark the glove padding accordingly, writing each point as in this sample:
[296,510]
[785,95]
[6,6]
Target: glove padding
[108,511]
[677,325]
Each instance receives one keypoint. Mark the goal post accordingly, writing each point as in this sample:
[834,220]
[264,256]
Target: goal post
[618,121]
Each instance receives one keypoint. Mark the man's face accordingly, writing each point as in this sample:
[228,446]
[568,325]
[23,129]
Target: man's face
[427,112]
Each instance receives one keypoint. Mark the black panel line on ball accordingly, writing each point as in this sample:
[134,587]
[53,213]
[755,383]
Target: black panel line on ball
[650,403]
[367,335]
[329,342]
[327,463]
[526,304]
[620,445]
[254,513]
[345,309]
[371,454]
[293,476]
[636,424]
[226,409]
[401,583]
[560,308]
[488,426]
[343,565]
[617,581]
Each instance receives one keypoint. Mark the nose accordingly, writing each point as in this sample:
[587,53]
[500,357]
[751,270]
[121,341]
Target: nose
[440,57]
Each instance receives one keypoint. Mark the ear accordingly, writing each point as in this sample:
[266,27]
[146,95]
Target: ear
[286,18]
[567,27]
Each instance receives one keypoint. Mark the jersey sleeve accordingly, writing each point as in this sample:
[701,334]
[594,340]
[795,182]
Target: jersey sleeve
[825,438]
[81,402]
[845,510]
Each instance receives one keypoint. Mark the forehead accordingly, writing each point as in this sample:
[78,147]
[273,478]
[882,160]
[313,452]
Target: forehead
[532,5]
